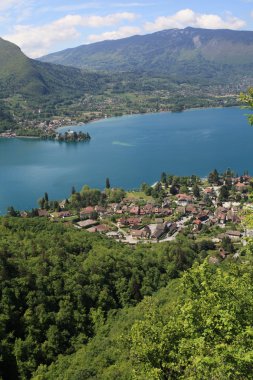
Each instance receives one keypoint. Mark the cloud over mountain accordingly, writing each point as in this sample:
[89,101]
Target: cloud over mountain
[187,17]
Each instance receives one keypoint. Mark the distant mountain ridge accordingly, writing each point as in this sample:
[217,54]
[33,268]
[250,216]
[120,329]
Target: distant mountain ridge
[188,52]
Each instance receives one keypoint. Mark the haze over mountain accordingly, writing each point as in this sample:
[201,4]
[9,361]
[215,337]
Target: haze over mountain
[180,53]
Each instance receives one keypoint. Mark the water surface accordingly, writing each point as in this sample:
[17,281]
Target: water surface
[129,150]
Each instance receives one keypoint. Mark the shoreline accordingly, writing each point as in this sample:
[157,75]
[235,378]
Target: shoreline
[80,124]
[26,137]
[98,119]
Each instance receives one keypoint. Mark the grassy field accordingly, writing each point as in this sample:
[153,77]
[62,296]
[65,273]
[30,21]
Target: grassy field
[138,195]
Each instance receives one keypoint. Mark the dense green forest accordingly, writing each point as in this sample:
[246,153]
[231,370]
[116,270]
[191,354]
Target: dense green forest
[80,306]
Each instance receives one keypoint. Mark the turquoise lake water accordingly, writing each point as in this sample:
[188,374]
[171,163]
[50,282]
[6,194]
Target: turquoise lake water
[129,150]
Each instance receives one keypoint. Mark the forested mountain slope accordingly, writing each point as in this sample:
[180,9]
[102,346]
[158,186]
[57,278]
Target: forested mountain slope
[206,55]
[73,307]
[22,75]
[58,284]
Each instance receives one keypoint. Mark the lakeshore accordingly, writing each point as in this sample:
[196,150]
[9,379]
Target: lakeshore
[215,206]
[129,150]
[48,128]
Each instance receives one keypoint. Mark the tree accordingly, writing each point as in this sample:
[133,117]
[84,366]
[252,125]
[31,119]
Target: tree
[213,177]
[247,99]
[201,337]
[195,190]
[12,211]
[41,202]
[163,177]
[173,190]
[207,200]
[227,245]
[107,183]
[224,193]
[184,189]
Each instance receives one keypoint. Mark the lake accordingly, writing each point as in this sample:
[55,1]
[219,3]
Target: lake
[129,150]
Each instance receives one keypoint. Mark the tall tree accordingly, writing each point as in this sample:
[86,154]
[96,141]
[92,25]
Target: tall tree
[224,193]
[213,177]
[195,190]
[107,183]
[46,197]
[163,177]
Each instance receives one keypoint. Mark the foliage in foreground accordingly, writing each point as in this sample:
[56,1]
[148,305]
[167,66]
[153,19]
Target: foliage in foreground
[198,327]
[72,307]
[59,284]
[209,334]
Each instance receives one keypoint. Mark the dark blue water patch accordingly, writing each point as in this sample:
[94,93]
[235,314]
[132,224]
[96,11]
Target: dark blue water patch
[129,150]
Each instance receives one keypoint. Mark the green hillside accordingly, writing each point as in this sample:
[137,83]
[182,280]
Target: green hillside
[58,284]
[21,75]
[18,73]
[28,87]
[77,306]
[198,327]
[183,54]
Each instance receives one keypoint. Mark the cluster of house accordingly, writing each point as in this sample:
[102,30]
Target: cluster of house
[8,134]
[129,221]
[202,215]
[52,125]
[46,127]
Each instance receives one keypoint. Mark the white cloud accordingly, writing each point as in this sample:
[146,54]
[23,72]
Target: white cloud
[124,31]
[39,40]
[187,17]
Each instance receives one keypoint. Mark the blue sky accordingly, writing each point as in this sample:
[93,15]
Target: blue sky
[43,26]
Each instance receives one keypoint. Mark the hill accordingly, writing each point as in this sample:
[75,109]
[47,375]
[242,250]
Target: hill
[22,75]
[189,54]
[34,91]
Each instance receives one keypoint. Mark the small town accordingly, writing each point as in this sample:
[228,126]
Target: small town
[49,131]
[212,209]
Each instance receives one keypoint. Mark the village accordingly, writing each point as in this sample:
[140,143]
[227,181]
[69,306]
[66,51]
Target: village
[48,132]
[36,129]
[211,209]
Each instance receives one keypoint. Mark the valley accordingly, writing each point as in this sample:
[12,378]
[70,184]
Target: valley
[34,92]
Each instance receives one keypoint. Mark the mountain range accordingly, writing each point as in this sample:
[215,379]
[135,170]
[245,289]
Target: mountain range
[168,70]
[183,54]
